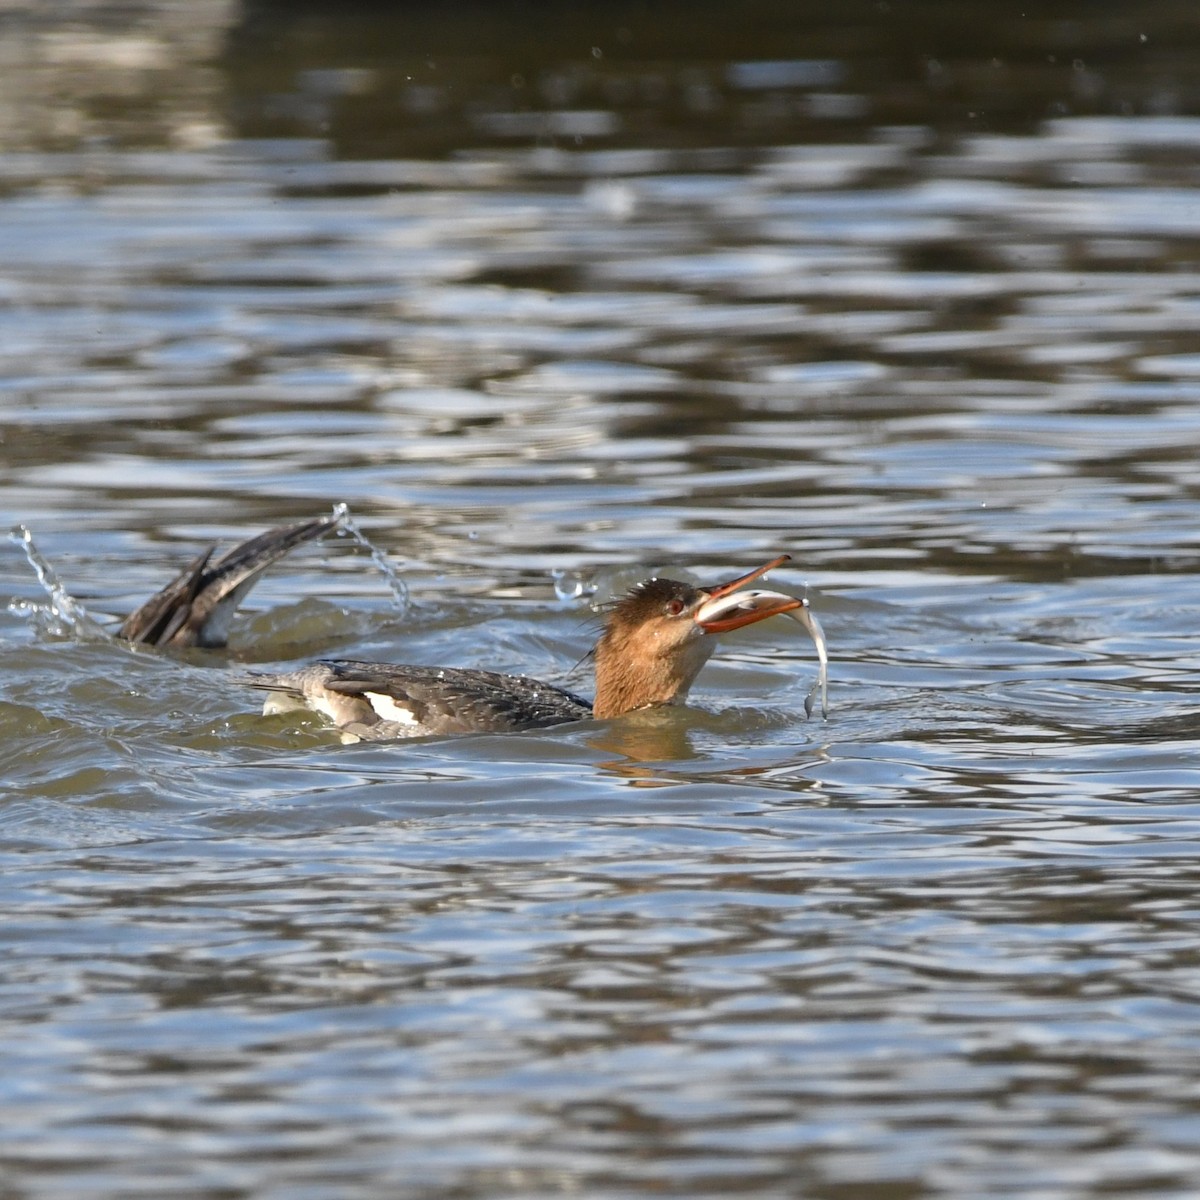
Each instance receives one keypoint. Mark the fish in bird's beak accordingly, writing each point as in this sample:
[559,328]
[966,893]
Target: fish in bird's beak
[727,608]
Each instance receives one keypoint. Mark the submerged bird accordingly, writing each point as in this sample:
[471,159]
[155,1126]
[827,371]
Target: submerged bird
[196,608]
[654,642]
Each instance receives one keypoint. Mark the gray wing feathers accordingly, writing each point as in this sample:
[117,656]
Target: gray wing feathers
[195,609]
[403,701]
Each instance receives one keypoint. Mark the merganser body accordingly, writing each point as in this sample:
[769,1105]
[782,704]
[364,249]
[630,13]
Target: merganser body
[195,608]
[655,640]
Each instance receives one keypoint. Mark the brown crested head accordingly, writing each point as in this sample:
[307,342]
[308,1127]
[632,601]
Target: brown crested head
[654,640]
[651,647]
[652,601]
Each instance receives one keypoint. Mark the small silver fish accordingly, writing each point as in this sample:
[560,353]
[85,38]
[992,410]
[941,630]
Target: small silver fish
[802,612]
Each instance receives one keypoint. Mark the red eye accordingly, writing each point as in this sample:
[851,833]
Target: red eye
[675,607]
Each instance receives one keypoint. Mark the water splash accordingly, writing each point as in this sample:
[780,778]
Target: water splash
[63,611]
[347,527]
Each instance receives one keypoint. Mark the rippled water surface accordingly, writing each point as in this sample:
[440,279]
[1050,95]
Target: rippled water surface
[553,297]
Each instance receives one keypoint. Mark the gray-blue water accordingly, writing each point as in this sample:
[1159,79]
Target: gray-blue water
[555,296]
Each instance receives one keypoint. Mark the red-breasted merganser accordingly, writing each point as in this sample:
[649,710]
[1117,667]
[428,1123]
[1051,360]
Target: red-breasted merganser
[195,609]
[655,640]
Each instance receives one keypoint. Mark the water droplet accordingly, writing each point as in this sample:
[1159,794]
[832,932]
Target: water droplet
[64,608]
[397,586]
[571,585]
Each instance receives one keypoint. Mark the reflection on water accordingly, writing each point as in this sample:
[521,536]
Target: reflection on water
[909,293]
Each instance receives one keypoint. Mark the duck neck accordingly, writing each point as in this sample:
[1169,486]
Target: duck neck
[630,676]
